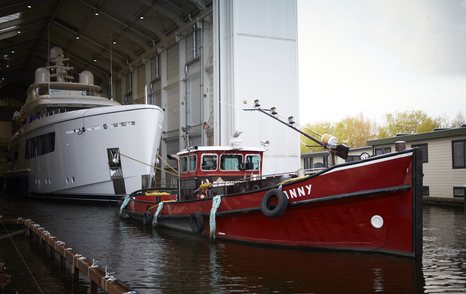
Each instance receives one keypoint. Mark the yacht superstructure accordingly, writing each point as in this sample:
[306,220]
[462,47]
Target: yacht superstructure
[74,143]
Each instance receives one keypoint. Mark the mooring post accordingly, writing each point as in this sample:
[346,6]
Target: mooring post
[62,263]
[96,275]
[94,287]
[75,276]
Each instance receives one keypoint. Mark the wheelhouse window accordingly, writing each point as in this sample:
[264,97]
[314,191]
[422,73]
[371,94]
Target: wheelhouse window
[230,161]
[423,148]
[188,163]
[383,150]
[253,162]
[209,162]
[459,153]
[184,164]
[192,162]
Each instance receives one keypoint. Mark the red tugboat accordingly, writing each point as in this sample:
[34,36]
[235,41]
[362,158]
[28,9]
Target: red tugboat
[372,205]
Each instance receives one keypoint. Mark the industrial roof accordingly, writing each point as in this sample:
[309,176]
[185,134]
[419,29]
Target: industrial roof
[87,31]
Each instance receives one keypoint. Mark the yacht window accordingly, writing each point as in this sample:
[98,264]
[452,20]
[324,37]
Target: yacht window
[209,162]
[40,145]
[230,161]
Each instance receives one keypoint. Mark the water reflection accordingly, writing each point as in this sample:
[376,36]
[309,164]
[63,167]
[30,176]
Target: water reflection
[165,261]
[444,260]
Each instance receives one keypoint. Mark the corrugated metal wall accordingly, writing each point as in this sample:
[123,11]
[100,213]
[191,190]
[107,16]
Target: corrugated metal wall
[258,54]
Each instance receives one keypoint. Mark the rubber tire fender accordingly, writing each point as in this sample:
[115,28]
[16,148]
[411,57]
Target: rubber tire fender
[197,222]
[279,209]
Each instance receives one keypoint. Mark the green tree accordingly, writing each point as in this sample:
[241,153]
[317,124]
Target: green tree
[355,131]
[315,130]
[408,122]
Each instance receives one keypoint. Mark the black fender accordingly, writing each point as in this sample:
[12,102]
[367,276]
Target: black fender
[274,195]
[197,222]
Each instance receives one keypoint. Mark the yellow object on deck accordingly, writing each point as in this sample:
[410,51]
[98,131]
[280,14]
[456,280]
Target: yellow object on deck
[156,193]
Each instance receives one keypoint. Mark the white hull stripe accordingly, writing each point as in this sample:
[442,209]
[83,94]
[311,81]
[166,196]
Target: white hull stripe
[369,162]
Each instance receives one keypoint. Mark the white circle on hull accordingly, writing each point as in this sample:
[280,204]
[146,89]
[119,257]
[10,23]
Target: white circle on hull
[377,221]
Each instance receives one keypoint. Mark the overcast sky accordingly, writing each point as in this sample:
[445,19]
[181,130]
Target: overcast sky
[377,57]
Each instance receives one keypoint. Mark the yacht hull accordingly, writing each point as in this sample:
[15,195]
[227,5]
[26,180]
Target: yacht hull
[99,153]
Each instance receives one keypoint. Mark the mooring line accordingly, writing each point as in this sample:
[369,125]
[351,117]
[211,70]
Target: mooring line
[22,258]
[144,163]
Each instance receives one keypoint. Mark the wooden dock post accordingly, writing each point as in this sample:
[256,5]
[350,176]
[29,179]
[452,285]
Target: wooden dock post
[97,276]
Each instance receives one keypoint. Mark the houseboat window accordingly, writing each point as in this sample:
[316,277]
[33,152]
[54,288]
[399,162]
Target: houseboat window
[230,161]
[459,153]
[425,191]
[383,150]
[184,164]
[319,162]
[209,162]
[459,192]
[307,163]
[255,160]
[423,148]
[192,162]
[352,158]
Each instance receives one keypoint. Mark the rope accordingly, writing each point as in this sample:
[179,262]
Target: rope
[215,204]
[156,214]
[152,166]
[93,265]
[109,277]
[168,164]
[22,258]
[168,172]
[141,162]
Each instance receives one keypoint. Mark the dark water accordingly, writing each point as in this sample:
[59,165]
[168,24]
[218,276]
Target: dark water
[164,261]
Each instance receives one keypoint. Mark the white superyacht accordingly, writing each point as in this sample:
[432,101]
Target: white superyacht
[75,144]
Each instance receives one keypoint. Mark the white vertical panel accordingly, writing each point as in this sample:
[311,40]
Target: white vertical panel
[258,60]
[208,82]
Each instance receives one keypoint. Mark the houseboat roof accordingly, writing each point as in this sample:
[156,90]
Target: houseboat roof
[436,134]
